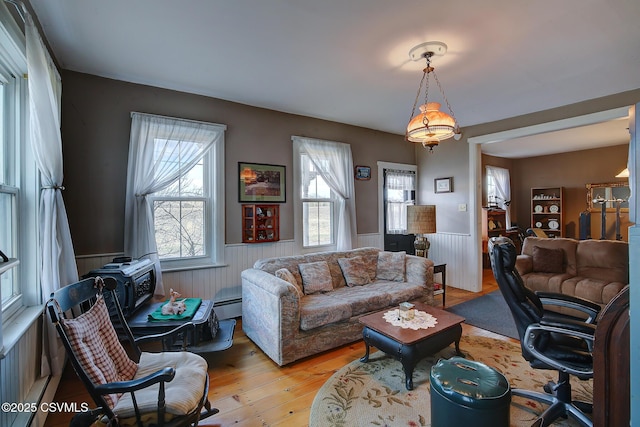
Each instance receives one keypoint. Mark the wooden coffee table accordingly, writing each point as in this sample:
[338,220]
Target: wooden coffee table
[407,345]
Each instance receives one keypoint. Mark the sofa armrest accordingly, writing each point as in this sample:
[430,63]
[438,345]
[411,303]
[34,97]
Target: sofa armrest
[524,264]
[420,270]
[270,311]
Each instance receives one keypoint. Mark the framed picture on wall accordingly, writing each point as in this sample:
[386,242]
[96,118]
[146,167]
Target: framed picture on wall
[363,173]
[260,182]
[443,185]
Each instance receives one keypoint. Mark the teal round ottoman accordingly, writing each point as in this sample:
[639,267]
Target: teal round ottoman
[468,393]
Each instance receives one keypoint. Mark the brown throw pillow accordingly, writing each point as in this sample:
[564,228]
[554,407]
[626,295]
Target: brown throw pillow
[354,271]
[546,260]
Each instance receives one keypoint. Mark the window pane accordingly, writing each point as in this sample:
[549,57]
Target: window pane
[6,225]
[179,228]
[189,184]
[313,185]
[7,283]
[400,192]
[318,219]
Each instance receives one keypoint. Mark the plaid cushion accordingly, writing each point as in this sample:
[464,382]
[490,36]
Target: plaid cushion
[98,349]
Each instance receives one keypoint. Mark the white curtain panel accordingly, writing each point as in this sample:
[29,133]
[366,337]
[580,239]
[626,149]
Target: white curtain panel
[334,163]
[153,142]
[57,254]
[503,188]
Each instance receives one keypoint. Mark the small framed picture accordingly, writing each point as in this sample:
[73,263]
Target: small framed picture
[363,173]
[443,185]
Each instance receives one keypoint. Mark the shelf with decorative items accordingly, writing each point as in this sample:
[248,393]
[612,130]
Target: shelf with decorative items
[494,223]
[547,210]
[260,223]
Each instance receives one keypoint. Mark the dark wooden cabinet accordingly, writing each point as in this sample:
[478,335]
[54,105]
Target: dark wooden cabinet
[494,223]
[260,223]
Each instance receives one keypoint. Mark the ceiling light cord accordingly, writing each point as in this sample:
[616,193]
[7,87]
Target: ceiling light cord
[415,103]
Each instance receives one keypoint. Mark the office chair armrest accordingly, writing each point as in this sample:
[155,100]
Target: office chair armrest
[163,375]
[568,327]
[185,327]
[587,307]
[571,329]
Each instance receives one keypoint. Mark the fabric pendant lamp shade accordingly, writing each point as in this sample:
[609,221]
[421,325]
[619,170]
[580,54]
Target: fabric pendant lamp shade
[421,220]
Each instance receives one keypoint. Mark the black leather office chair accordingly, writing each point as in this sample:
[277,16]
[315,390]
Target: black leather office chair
[549,340]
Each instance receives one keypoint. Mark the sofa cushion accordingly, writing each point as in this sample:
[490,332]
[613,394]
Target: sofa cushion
[399,291]
[391,266]
[285,274]
[547,260]
[362,299]
[606,260]
[354,270]
[316,277]
[322,309]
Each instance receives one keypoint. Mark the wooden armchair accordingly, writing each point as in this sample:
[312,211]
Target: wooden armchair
[166,389]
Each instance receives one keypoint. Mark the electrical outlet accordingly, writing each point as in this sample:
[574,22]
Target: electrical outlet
[462,207]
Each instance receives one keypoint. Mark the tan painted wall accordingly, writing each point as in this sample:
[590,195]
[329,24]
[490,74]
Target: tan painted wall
[95,128]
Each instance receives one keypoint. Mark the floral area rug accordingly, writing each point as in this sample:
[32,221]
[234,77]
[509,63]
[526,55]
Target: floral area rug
[374,393]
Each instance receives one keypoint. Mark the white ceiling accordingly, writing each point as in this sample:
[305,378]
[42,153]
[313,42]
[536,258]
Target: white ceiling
[347,60]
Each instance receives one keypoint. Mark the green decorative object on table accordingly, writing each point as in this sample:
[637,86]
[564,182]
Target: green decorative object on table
[192,305]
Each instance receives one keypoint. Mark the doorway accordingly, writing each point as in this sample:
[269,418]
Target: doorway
[475,169]
[397,190]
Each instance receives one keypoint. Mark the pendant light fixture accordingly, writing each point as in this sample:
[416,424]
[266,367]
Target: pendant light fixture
[430,125]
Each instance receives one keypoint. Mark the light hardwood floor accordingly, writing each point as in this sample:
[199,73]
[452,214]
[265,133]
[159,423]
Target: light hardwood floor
[251,390]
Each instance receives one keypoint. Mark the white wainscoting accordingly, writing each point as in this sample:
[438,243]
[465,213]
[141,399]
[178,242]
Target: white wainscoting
[453,249]
[19,371]
[223,284]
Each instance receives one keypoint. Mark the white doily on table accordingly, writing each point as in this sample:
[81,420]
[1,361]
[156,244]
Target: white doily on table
[421,320]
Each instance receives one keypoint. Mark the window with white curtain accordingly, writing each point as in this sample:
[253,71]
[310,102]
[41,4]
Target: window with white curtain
[400,186]
[176,171]
[18,177]
[324,197]
[499,189]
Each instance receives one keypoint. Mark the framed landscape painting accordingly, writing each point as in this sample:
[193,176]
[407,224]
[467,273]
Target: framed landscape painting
[261,183]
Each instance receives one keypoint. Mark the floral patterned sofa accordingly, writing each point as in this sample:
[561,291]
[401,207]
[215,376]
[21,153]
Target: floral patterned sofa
[297,306]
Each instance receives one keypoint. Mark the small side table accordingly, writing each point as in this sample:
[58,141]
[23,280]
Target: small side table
[442,269]
[140,326]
